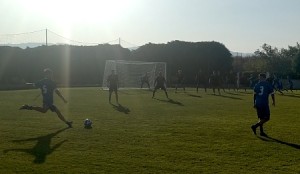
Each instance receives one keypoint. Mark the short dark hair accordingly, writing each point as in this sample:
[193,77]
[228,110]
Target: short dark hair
[263,75]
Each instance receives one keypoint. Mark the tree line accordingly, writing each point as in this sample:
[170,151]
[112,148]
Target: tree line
[84,65]
[282,62]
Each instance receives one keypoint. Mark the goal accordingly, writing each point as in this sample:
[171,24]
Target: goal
[130,73]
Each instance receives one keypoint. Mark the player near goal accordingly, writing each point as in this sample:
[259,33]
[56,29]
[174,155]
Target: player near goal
[160,83]
[112,81]
[145,79]
[180,80]
[48,86]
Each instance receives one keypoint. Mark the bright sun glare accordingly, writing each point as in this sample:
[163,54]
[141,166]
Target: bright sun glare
[70,14]
[70,11]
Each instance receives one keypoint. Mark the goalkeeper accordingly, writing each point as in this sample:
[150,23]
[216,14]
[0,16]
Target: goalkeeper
[160,83]
[145,79]
[112,81]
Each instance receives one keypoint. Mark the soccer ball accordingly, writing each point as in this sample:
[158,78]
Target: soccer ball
[87,123]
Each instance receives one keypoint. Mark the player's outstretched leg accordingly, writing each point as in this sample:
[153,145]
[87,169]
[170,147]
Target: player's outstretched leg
[35,108]
[62,118]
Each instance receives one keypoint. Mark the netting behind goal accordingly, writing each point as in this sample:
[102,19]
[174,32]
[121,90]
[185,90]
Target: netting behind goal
[130,73]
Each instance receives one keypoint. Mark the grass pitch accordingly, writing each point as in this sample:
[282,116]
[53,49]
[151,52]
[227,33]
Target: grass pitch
[192,133]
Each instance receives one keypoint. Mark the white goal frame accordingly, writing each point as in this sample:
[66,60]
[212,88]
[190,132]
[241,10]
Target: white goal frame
[130,72]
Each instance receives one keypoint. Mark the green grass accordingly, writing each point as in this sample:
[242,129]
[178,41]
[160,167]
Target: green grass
[194,133]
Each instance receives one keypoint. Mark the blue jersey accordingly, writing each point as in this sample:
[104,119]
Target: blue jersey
[262,90]
[47,87]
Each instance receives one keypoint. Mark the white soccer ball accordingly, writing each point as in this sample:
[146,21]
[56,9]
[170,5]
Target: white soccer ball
[87,123]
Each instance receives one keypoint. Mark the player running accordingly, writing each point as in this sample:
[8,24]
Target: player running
[48,86]
[112,81]
[262,90]
[160,83]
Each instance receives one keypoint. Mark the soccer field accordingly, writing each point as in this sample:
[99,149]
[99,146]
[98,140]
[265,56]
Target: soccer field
[192,133]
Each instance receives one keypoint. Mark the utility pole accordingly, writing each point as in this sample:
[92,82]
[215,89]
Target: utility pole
[46,37]
[119,41]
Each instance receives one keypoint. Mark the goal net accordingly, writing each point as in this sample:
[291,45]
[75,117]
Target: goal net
[130,73]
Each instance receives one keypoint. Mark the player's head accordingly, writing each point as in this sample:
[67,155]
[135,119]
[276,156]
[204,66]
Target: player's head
[159,73]
[262,76]
[48,73]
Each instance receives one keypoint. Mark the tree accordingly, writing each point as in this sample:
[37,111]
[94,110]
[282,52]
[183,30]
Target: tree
[276,61]
[297,64]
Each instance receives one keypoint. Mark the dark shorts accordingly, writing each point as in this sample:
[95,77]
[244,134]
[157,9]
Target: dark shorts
[263,112]
[113,88]
[179,81]
[49,106]
[160,87]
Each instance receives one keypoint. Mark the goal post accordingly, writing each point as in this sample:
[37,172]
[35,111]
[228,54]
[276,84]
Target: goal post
[130,73]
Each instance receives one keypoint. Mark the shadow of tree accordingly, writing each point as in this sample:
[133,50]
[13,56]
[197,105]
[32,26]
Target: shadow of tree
[121,108]
[42,148]
[270,139]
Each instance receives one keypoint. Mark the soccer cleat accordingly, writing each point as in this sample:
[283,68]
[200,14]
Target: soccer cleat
[69,123]
[263,134]
[253,129]
[25,107]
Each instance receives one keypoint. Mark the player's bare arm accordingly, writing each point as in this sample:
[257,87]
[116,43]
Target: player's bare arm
[60,95]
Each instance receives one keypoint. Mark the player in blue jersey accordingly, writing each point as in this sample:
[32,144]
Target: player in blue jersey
[113,83]
[262,90]
[48,86]
[160,83]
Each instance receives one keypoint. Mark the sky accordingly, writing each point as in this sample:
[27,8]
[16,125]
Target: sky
[241,25]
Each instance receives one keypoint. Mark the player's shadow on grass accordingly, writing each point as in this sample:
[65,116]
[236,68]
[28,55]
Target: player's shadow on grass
[170,101]
[245,92]
[193,95]
[291,95]
[231,93]
[121,108]
[270,139]
[225,96]
[42,148]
